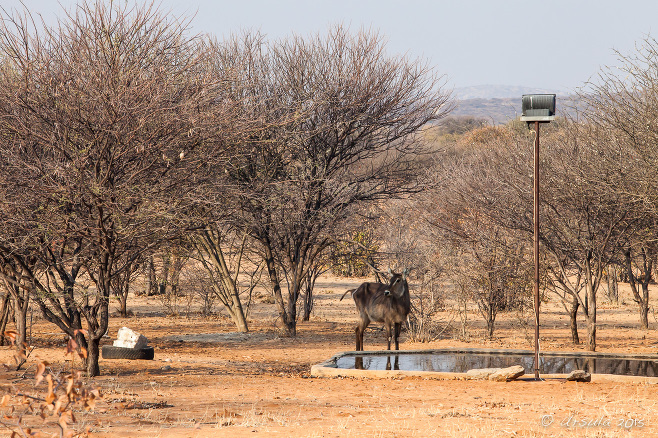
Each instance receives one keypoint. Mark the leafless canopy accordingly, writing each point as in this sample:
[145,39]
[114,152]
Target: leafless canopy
[335,122]
[100,117]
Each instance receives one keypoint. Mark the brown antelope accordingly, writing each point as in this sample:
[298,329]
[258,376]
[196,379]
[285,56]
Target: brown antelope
[386,303]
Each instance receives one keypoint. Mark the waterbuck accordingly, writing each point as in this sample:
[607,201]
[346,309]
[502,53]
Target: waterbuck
[385,303]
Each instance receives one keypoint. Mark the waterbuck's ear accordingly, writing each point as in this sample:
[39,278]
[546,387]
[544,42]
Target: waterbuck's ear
[405,273]
[389,271]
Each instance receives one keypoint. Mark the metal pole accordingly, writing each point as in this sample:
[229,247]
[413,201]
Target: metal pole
[536,242]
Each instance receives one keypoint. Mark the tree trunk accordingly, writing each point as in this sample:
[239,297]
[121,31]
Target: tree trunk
[308,298]
[644,306]
[641,300]
[21,300]
[590,314]
[590,307]
[613,286]
[93,350]
[293,295]
[5,312]
[276,289]
[123,304]
[238,313]
[490,328]
[490,320]
[573,321]
[123,289]
[97,323]
[152,281]
[20,319]
[648,260]
[591,334]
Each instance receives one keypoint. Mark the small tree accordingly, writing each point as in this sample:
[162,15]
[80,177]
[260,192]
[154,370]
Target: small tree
[623,104]
[646,261]
[17,293]
[489,260]
[223,271]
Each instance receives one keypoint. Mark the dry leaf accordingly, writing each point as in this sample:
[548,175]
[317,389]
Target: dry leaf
[20,357]
[5,400]
[71,346]
[62,403]
[11,335]
[51,394]
[92,398]
[41,368]
[69,384]
[63,420]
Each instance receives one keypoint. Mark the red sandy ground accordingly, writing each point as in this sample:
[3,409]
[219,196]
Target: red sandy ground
[225,384]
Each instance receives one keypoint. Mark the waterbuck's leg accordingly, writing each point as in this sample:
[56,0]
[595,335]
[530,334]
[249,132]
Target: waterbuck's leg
[388,335]
[398,326]
[360,329]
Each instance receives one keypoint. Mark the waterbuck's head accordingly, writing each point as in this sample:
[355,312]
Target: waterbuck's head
[397,286]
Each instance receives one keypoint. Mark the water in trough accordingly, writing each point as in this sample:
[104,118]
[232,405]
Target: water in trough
[461,362]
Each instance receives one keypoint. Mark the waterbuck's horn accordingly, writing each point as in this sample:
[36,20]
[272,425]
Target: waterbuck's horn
[377,271]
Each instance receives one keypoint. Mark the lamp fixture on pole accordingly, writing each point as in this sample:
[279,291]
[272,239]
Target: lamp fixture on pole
[537,108]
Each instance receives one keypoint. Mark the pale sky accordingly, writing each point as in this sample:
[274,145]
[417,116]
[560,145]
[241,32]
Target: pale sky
[549,44]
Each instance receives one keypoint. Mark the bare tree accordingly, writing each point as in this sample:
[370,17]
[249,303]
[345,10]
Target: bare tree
[622,103]
[17,293]
[339,124]
[121,282]
[489,260]
[582,222]
[101,116]
[5,315]
[646,261]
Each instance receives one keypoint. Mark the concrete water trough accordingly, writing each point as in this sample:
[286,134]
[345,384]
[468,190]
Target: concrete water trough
[453,363]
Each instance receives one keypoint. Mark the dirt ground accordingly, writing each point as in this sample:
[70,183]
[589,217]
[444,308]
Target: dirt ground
[208,381]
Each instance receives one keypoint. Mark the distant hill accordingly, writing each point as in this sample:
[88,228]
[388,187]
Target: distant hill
[500,92]
[498,104]
[495,111]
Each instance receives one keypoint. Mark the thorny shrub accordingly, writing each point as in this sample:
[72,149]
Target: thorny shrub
[354,257]
[66,396]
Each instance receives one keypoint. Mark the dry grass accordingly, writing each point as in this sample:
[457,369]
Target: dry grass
[259,385]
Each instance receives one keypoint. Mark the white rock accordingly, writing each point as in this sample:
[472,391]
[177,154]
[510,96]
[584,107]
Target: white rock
[507,374]
[579,376]
[481,373]
[127,338]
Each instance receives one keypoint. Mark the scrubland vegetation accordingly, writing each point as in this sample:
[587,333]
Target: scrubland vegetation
[136,158]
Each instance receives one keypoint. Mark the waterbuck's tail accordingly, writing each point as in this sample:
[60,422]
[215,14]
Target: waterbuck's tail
[350,291]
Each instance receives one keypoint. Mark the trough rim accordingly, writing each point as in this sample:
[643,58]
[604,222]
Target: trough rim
[329,368]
